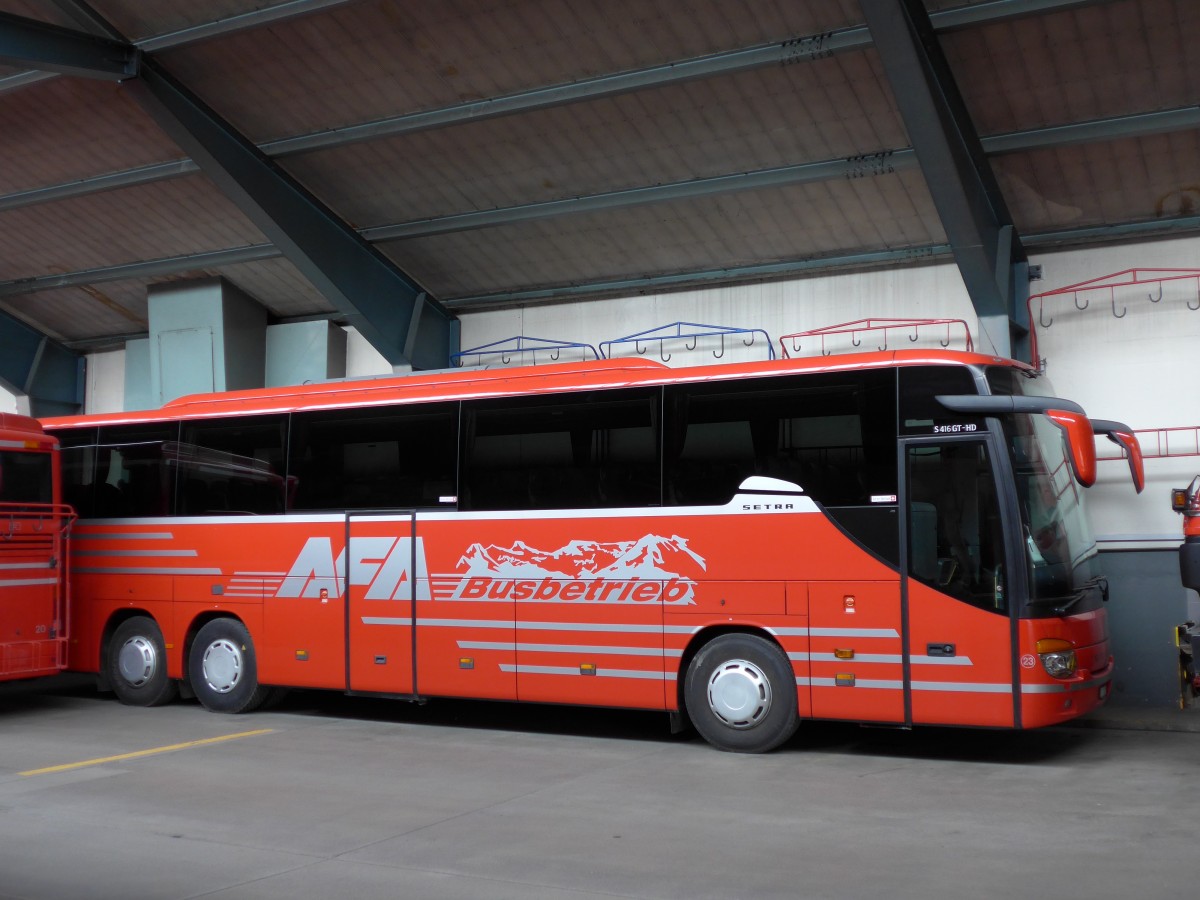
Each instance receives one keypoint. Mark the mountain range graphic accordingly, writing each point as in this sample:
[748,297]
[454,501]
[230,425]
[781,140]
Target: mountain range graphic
[650,558]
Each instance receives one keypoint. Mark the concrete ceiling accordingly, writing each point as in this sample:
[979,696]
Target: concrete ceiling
[501,152]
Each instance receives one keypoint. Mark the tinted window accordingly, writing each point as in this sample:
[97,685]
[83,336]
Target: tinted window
[920,413]
[391,458]
[25,477]
[834,435]
[596,449]
[956,540]
[230,466]
[130,473]
[78,459]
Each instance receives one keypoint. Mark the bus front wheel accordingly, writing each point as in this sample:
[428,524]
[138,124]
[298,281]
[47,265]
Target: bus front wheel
[223,669]
[137,664]
[740,693]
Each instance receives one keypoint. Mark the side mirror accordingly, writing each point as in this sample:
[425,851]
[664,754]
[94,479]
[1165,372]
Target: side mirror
[1068,416]
[1123,437]
[1077,429]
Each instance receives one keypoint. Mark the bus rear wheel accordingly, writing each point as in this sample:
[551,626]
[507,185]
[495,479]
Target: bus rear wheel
[223,668]
[137,664]
[740,693]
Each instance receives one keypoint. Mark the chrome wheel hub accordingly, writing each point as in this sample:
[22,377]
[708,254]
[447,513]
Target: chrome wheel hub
[137,660]
[222,666]
[739,694]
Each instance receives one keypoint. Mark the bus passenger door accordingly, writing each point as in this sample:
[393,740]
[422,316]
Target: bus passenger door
[960,632]
[382,564]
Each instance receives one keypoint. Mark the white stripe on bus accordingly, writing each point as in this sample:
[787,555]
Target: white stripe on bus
[600,672]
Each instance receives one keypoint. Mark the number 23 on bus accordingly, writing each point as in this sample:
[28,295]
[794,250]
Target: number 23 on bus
[890,538]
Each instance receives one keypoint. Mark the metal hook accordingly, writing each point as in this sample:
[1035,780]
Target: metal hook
[637,345]
[505,359]
[1085,302]
[695,338]
[946,342]
[1197,306]
[557,354]
[717,355]
[795,346]
[1042,315]
[913,337]
[854,339]
[662,352]
[1124,309]
[1160,293]
[884,347]
[749,343]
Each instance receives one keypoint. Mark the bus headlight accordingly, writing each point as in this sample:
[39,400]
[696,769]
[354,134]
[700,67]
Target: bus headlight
[1058,657]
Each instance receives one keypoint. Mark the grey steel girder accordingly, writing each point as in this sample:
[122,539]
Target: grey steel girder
[390,310]
[50,48]
[46,373]
[976,219]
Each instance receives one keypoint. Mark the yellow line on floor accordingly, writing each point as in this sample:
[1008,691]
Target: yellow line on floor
[151,752]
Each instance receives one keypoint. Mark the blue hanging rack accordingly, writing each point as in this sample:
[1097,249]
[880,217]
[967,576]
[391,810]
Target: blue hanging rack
[682,330]
[520,344]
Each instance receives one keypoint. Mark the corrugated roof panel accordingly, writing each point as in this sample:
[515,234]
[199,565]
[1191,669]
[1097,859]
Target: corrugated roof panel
[275,82]
[1092,62]
[137,19]
[95,128]
[81,313]
[754,226]
[1131,180]
[170,218]
[758,120]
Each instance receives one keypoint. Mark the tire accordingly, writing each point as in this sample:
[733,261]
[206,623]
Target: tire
[223,668]
[740,693]
[137,664]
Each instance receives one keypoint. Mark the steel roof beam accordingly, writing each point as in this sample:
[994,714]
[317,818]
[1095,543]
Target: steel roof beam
[280,12]
[390,310]
[42,372]
[49,48]
[960,180]
[1113,128]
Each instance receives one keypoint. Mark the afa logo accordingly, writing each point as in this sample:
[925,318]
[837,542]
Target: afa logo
[652,569]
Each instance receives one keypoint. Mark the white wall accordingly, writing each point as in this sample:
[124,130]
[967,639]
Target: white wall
[1142,369]
[1139,369]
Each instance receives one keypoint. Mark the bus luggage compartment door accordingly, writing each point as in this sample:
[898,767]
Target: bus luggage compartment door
[856,655]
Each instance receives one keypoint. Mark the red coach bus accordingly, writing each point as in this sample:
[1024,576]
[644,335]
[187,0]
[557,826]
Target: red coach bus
[34,527]
[887,538]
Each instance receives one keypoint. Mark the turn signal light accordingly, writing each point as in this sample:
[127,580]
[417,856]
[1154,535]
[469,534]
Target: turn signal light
[1058,657]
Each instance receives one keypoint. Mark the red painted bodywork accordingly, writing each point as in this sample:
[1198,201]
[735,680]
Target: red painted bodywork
[601,607]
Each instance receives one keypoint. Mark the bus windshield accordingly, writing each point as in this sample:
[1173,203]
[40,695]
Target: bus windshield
[25,477]
[1060,549]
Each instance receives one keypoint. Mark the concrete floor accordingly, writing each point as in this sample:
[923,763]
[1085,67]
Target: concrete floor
[329,796]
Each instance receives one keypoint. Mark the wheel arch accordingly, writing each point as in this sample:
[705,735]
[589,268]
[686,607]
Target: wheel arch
[114,622]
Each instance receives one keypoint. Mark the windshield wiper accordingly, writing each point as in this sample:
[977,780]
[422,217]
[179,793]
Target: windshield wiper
[1088,586]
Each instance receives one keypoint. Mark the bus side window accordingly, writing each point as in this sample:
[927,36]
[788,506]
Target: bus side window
[132,476]
[598,449]
[832,434]
[401,457]
[232,466]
